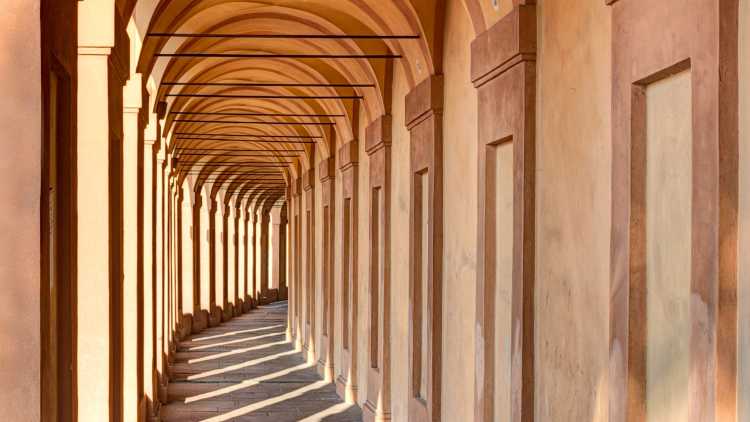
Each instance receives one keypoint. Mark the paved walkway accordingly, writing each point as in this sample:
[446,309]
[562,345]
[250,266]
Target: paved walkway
[245,370]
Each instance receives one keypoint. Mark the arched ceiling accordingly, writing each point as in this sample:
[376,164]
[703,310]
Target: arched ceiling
[253,87]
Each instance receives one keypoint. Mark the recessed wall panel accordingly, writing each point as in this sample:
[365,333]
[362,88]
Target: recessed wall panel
[500,163]
[668,246]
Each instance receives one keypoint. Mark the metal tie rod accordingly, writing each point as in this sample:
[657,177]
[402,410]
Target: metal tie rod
[273,84]
[248,136]
[287,36]
[271,97]
[219,113]
[254,122]
[200,55]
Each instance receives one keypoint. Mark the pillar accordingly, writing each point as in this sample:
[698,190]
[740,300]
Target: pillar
[275,245]
[265,221]
[327,173]
[132,128]
[150,146]
[283,254]
[378,146]
[226,305]
[347,379]
[505,256]
[214,264]
[234,280]
[200,319]
[160,310]
[104,66]
[308,273]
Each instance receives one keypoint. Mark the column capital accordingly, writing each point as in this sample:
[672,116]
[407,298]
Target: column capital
[378,134]
[132,98]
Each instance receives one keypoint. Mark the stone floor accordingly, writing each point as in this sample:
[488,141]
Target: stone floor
[245,370]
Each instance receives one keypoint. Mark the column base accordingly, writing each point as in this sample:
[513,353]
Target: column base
[370,413]
[227,313]
[214,317]
[238,308]
[248,304]
[325,369]
[186,326]
[345,390]
[200,321]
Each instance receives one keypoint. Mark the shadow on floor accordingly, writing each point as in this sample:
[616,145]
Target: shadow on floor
[245,370]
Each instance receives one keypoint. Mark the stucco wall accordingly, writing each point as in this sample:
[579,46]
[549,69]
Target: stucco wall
[363,277]
[743,326]
[400,178]
[669,196]
[459,205]
[573,210]
[20,171]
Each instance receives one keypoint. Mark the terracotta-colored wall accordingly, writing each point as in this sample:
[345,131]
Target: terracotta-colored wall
[363,276]
[20,171]
[460,181]
[743,327]
[573,210]
[399,251]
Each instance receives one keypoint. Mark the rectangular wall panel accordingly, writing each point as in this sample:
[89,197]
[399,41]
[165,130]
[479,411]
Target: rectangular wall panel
[375,264]
[668,246]
[422,301]
[500,172]
[345,273]
[326,269]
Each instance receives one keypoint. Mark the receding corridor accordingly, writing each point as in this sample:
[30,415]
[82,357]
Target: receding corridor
[375,210]
[246,370]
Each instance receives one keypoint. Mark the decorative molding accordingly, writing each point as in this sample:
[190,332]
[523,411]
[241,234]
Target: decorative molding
[702,38]
[424,108]
[348,155]
[510,41]
[504,73]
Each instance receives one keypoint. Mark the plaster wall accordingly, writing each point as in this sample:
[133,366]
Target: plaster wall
[205,245]
[363,276]
[187,252]
[337,249]
[573,210]
[743,323]
[20,170]
[231,256]
[459,218]
[219,257]
[318,255]
[668,246]
[400,198]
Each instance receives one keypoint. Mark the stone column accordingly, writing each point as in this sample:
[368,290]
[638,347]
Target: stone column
[132,129]
[159,295]
[256,256]
[213,235]
[104,68]
[275,246]
[234,248]
[227,312]
[200,321]
[283,255]
[264,244]
[149,274]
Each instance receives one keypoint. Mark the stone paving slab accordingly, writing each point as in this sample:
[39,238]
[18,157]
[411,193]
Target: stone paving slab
[244,370]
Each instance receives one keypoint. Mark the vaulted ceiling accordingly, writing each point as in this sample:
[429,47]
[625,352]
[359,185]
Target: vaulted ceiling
[252,87]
